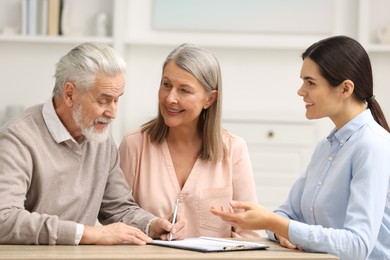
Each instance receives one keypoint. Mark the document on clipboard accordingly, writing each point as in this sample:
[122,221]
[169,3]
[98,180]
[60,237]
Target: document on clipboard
[210,244]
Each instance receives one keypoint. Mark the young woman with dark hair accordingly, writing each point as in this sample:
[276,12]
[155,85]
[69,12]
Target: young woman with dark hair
[340,204]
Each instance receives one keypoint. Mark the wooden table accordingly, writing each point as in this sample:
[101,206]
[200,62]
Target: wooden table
[274,252]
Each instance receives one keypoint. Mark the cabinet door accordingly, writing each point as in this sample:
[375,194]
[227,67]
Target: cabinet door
[279,153]
[275,171]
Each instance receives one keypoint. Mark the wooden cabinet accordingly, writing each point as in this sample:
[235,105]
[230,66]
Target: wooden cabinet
[279,151]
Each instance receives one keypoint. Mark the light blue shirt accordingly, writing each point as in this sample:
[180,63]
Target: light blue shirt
[341,204]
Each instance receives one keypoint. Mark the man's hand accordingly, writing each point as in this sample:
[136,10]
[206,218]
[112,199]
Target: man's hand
[113,234]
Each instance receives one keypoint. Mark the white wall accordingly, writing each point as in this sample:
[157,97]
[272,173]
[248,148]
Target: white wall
[254,81]
[27,71]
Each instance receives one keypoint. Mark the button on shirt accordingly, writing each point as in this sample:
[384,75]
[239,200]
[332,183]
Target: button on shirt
[340,205]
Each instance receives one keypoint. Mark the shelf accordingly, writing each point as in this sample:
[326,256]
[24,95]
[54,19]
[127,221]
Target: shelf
[53,39]
[131,24]
[372,16]
[79,21]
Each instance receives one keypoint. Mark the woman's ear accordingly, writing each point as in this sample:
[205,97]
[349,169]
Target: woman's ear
[212,96]
[347,88]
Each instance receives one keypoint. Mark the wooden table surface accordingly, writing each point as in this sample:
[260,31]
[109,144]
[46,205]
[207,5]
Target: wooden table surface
[274,252]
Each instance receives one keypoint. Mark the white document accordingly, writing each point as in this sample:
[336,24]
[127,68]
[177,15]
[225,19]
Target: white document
[210,244]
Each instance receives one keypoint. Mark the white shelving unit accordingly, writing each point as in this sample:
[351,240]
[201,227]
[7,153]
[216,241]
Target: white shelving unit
[80,19]
[373,15]
[130,23]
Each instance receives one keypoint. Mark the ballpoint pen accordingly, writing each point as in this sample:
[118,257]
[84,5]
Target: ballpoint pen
[176,208]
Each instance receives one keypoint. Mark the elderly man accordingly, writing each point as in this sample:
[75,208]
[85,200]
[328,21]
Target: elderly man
[59,165]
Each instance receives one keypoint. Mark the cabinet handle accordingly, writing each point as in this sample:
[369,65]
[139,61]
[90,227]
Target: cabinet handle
[270,134]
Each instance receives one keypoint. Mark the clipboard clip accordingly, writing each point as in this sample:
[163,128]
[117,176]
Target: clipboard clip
[238,247]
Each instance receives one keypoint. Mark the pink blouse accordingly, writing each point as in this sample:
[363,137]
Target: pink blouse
[150,172]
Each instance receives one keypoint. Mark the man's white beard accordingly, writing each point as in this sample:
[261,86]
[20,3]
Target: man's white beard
[89,132]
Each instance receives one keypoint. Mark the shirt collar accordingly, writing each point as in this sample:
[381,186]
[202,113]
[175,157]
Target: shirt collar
[344,133]
[54,124]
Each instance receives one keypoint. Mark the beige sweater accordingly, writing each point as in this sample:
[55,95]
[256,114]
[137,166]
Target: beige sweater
[48,182]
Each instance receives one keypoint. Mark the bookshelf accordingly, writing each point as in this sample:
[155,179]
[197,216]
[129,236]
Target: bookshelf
[63,21]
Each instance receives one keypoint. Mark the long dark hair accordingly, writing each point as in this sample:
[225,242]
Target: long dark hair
[343,58]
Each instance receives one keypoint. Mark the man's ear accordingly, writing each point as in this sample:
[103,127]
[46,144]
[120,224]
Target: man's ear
[69,94]
[212,96]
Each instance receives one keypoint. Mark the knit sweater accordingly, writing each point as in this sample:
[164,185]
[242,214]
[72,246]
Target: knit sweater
[49,182]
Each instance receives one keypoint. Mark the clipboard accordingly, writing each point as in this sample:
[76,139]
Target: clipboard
[210,244]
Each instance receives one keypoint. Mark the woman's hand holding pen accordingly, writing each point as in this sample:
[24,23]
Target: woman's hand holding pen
[161,228]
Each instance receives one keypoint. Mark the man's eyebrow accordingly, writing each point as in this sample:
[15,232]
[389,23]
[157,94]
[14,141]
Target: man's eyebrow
[105,95]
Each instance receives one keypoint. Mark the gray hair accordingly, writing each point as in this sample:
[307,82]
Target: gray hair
[204,66]
[83,63]
[199,62]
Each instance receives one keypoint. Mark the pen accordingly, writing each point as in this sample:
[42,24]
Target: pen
[176,208]
[238,247]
